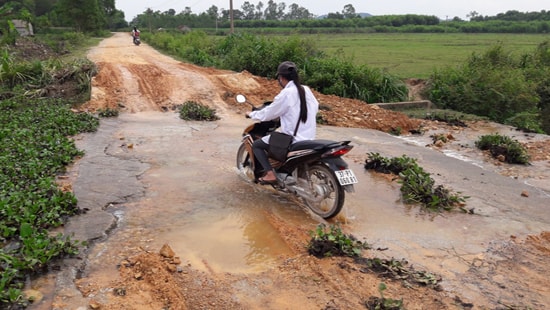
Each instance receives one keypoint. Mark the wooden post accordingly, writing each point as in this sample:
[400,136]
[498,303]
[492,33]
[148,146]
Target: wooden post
[231,15]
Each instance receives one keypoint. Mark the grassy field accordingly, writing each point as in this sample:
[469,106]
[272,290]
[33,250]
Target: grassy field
[416,55]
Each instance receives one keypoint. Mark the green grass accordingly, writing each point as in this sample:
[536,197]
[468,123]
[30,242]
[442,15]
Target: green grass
[416,55]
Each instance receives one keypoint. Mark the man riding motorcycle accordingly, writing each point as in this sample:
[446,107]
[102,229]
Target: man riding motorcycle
[135,34]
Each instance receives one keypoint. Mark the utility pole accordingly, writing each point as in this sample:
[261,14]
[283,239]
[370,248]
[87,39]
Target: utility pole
[231,15]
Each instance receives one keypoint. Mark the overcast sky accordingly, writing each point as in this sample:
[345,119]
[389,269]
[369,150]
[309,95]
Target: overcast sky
[440,8]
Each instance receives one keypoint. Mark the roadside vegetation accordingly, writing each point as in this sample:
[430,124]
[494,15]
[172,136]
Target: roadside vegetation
[416,55]
[494,84]
[37,93]
[503,148]
[417,186]
[35,149]
[497,85]
[194,111]
[260,55]
[332,241]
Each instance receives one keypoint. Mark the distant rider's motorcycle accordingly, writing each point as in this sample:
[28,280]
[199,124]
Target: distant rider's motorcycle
[137,41]
[314,169]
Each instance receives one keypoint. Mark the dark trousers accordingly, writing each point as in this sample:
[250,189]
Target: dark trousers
[260,149]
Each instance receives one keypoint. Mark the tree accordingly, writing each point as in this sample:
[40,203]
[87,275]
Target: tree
[248,10]
[349,11]
[259,10]
[83,15]
[187,11]
[213,12]
[44,6]
[7,29]
[297,12]
[473,15]
[281,7]
[336,15]
[270,12]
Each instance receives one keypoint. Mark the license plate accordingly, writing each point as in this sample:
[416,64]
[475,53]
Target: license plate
[346,177]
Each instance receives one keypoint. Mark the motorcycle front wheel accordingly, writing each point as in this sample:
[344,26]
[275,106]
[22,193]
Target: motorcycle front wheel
[327,194]
[244,162]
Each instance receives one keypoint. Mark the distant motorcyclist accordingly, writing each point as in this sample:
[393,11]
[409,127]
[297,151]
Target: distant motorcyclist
[135,34]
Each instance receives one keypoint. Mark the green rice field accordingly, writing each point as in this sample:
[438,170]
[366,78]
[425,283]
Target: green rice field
[416,55]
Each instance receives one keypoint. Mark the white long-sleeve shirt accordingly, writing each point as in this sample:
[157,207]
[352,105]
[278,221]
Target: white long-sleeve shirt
[286,106]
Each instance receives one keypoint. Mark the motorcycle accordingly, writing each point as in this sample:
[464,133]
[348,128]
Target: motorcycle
[137,41]
[314,169]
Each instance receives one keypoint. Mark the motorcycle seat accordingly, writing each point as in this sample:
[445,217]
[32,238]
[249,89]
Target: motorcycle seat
[316,144]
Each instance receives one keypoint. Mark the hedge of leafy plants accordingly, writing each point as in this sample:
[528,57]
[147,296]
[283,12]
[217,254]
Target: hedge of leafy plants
[505,88]
[260,55]
[498,145]
[417,186]
[35,147]
[194,111]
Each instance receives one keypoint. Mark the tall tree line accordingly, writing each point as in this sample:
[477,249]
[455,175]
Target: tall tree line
[82,15]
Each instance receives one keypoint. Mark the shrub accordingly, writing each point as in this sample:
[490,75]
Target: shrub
[526,121]
[333,242]
[34,149]
[393,165]
[107,112]
[496,85]
[194,111]
[383,303]
[499,145]
[260,55]
[417,185]
[340,77]
[249,52]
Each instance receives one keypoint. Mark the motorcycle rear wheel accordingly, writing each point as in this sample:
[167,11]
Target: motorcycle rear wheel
[329,194]
[244,164]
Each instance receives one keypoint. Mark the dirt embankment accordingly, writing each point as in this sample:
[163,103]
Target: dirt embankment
[134,79]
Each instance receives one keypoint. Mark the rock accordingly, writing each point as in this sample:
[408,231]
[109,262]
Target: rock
[171,268]
[33,296]
[501,158]
[167,252]
[94,305]
[524,194]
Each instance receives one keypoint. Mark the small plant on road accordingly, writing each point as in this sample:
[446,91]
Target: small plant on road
[499,146]
[382,303]
[333,242]
[393,165]
[107,112]
[417,185]
[194,111]
[398,270]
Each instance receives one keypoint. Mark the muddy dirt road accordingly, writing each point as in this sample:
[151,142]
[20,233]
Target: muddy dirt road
[172,225]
